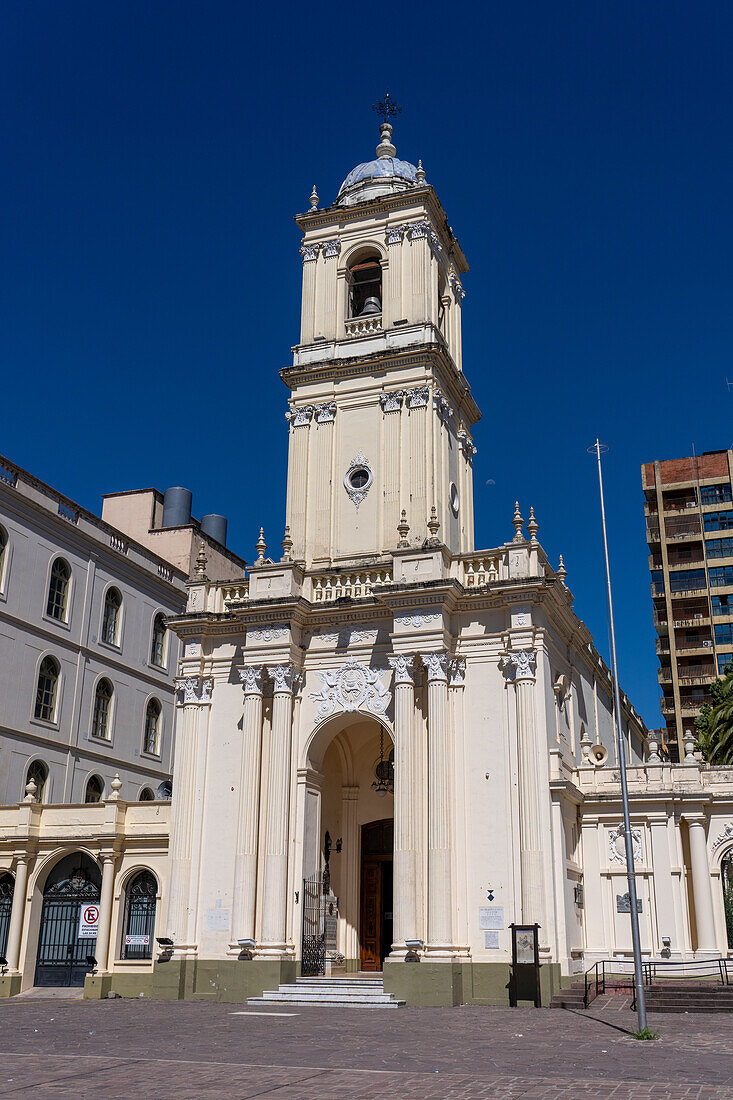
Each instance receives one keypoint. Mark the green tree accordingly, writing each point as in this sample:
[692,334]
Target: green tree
[714,724]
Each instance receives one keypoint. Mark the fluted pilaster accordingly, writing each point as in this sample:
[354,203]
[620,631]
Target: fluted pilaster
[439,808]
[276,845]
[405,838]
[245,868]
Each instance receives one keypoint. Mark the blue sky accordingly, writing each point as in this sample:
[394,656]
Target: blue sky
[155,153]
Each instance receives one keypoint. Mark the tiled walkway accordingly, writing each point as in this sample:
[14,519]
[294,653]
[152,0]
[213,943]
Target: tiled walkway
[118,1049]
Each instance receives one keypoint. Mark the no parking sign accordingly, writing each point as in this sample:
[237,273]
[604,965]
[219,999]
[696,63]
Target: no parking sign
[89,922]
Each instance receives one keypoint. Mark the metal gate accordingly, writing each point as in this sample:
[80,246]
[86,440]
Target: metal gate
[7,882]
[62,956]
[315,892]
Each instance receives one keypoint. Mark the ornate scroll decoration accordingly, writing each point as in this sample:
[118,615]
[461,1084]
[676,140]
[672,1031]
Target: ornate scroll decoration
[347,635]
[395,233]
[310,251]
[456,285]
[417,398]
[325,413]
[520,665]
[425,229]
[441,405]
[350,688]
[266,633]
[299,416]
[466,444]
[357,493]
[617,842]
[391,402]
[251,677]
[404,666]
[284,678]
[331,248]
[457,671]
[194,689]
[727,834]
[416,621]
[436,665]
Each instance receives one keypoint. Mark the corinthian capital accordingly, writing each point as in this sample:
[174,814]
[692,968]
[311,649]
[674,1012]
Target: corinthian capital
[194,689]
[309,251]
[283,678]
[436,665]
[520,665]
[404,665]
[251,677]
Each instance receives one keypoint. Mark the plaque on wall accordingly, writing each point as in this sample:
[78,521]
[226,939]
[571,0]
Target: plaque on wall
[623,904]
[491,941]
[490,917]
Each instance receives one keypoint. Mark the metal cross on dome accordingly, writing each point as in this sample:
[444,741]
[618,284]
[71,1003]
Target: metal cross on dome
[386,108]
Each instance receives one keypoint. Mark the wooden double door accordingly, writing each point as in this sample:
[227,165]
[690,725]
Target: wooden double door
[377,843]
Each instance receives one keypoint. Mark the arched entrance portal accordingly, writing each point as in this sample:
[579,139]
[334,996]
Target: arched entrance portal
[726,877]
[348,847]
[7,883]
[72,886]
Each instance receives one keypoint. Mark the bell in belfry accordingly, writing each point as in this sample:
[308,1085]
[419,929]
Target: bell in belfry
[371,305]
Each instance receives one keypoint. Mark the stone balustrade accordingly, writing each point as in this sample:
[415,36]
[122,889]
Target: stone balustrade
[364,326]
[355,584]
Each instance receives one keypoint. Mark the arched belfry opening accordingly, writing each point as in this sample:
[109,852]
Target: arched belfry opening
[364,281]
[348,847]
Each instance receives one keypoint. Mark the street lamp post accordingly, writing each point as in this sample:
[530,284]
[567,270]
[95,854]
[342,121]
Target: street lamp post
[597,449]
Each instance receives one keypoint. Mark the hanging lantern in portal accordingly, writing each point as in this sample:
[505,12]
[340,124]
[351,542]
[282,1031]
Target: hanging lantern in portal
[384,771]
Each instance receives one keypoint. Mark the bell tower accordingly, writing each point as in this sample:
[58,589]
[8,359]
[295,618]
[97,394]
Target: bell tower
[380,413]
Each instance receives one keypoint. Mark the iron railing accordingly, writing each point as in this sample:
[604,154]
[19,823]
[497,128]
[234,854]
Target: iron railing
[595,981]
[665,968]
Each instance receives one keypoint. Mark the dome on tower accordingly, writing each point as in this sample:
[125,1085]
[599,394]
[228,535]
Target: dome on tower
[385,175]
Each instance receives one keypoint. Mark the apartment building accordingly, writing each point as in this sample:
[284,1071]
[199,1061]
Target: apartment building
[87,663]
[689,521]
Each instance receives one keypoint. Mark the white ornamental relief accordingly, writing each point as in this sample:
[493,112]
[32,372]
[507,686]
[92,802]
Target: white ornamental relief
[417,621]
[395,233]
[358,478]
[346,635]
[457,671]
[192,649]
[251,677]
[404,666]
[466,444]
[727,834]
[417,398]
[266,633]
[326,413]
[456,286]
[351,688]
[331,248]
[441,405]
[617,842]
[194,689]
[520,665]
[300,416]
[309,251]
[391,402]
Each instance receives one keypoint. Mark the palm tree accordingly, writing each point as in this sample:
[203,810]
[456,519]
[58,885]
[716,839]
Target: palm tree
[714,724]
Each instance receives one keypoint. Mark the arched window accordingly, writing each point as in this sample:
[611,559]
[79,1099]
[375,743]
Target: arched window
[47,689]
[365,286]
[139,927]
[7,885]
[111,618]
[146,795]
[157,646]
[95,789]
[58,591]
[3,555]
[38,772]
[152,727]
[102,710]
[726,878]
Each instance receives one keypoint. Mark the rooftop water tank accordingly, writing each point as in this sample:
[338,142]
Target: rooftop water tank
[215,527]
[177,507]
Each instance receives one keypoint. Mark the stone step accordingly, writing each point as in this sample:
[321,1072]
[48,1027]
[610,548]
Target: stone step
[326,995]
[337,990]
[300,1002]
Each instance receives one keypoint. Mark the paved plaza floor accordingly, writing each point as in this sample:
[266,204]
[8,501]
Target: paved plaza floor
[152,1049]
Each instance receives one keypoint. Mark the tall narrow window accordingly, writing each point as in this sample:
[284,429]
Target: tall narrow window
[152,727]
[111,618]
[365,287]
[140,902]
[58,591]
[38,772]
[157,647]
[95,789]
[102,710]
[47,690]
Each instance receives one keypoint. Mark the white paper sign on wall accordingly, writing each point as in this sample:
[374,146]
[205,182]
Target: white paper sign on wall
[89,922]
[217,920]
[137,941]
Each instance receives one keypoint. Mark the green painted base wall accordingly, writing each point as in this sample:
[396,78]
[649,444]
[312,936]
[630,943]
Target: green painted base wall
[9,984]
[440,984]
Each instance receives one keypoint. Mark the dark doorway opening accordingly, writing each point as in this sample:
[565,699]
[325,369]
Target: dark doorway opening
[377,844]
[72,885]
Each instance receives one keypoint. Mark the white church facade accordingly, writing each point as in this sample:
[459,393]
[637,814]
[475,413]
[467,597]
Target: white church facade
[390,746]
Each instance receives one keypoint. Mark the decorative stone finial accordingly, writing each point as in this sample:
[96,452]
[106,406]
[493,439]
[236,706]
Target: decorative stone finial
[30,791]
[287,545]
[518,524]
[532,526]
[433,528]
[420,174]
[199,570]
[261,547]
[689,748]
[403,530]
[385,147]
[313,200]
[116,786]
[653,754]
[561,572]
